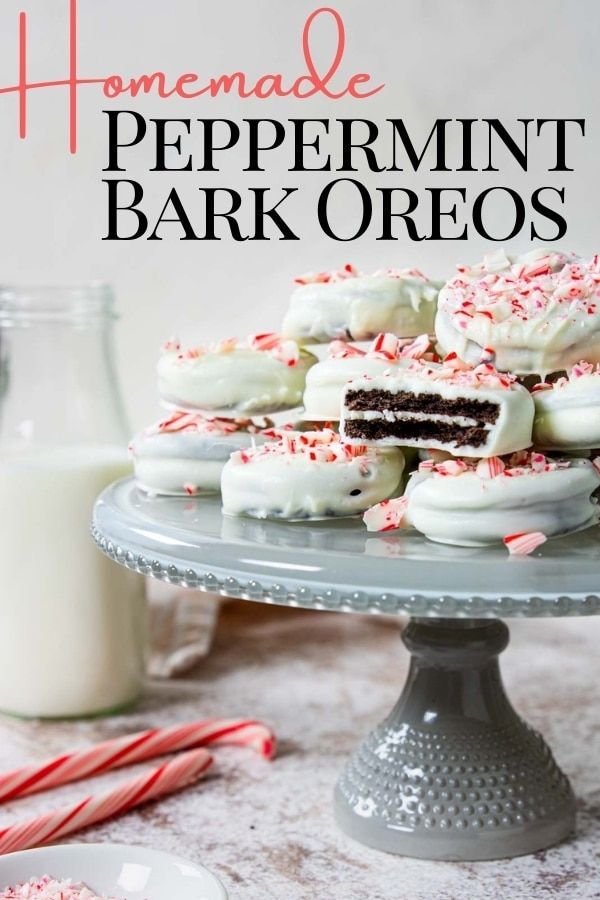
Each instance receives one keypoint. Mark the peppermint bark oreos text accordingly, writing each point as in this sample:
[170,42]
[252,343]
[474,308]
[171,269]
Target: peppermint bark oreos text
[326,160]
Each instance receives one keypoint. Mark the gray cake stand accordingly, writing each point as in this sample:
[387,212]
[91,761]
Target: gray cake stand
[453,772]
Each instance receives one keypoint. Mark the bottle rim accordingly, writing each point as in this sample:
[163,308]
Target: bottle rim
[85,303]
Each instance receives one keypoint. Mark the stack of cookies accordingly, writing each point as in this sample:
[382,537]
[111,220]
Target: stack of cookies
[488,388]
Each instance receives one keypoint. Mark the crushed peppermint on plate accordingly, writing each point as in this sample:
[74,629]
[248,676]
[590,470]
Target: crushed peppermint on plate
[48,888]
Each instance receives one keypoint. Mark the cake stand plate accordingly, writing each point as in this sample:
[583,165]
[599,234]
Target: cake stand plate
[453,772]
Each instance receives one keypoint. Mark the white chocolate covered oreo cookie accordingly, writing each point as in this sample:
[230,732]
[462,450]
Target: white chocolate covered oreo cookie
[533,314]
[567,412]
[325,381]
[185,452]
[350,306]
[308,475]
[519,500]
[262,375]
[470,412]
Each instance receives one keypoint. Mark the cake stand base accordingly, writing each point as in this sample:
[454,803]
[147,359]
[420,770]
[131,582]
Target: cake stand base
[453,772]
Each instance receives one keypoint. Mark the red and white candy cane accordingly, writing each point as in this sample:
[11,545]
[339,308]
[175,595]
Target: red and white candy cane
[135,748]
[177,773]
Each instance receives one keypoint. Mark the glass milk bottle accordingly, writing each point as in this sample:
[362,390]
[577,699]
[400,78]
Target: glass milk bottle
[72,629]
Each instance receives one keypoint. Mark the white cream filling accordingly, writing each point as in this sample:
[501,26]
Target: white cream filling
[397,416]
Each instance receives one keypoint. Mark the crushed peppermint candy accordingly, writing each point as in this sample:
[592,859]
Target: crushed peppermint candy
[523,543]
[283,350]
[180,422]
[454,370]
[341,350]
[513,465]
[451,467]
[491,467]
[48,888]
[529,287]
[349,271]
[385,346]
[579,370]
[173,344]
[315,446]
[387,515]
[400,273]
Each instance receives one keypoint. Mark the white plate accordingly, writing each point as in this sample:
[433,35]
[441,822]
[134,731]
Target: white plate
[116,870]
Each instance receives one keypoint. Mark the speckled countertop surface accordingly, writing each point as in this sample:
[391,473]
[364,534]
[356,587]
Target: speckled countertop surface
[322,680]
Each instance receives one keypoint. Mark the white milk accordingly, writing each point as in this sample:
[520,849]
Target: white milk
[72,629]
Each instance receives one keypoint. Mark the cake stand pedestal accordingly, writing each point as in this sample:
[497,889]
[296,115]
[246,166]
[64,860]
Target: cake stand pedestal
[453,772]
